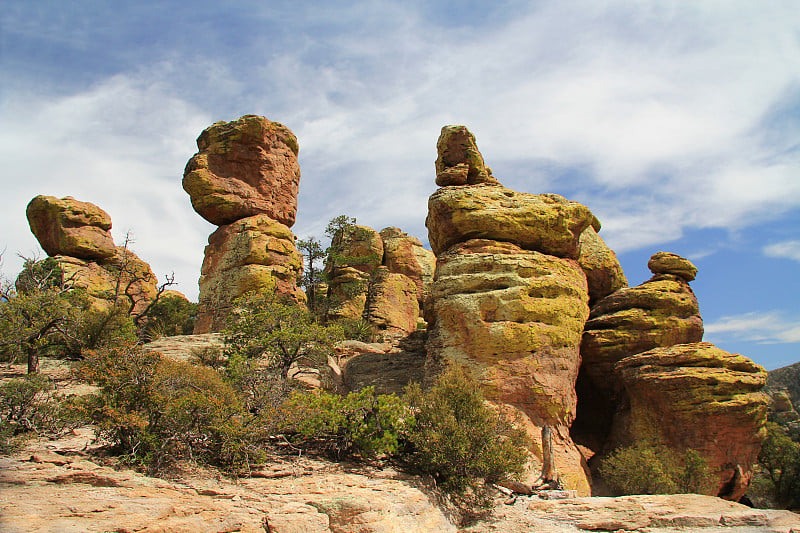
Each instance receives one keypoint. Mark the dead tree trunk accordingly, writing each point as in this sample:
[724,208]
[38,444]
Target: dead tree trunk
[549,472]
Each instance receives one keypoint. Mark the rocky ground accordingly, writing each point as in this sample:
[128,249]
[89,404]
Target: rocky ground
[69,485]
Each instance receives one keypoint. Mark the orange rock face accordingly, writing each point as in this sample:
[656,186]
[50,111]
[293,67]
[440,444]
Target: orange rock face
[243,168]
[255,253]
[68,227]
[404,254]
[392,304]
[700,397]
[603,272]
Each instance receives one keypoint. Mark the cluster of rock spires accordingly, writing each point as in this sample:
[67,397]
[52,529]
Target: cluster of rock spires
[522,290]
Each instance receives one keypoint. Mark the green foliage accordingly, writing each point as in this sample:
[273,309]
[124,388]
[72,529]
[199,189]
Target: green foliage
[157,410]
[357,329]
[359,423]
[458,438]
[780,461]
[284,334]
[257,384]
[649,467]
[30,405]
[313,277]
[170,315]
[39,275]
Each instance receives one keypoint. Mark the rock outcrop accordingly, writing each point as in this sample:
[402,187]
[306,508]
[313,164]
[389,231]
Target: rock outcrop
[383,278]
[72,228]
[243,168]
[245,179]
[254,253]
[700,397]
[509,299]
[77,235]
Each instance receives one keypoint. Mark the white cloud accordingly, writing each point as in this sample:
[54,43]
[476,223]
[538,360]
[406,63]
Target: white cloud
[787,249]
[767,328]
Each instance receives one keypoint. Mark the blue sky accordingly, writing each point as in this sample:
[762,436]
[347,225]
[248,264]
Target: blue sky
[678,123]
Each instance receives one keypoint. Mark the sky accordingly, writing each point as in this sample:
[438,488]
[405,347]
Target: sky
[676,122]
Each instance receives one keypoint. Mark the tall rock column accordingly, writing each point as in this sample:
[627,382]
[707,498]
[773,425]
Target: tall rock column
[509,298]
[245,179]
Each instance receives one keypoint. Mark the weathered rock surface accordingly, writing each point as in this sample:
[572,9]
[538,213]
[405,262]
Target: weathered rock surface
[254,253]
[124,276]
[243,168]
[44,490]
[652,514]
[404,254]
[459,161]
[392,304]
[358,254]
[514,317]
[388,367]
[700,397]
[604,273]
[546,223]
[669,263]
[69,227]
[182,347]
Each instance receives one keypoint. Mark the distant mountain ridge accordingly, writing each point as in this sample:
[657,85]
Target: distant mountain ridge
[786,378]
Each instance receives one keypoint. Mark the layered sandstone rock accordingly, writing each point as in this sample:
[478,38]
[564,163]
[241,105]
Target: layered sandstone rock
[547,223]
[509,299]
[69,227]
[603,271]
[392,304]
[245,179]
[660,312]
[459,161]
[357,254]
[254,253]
[243,168]
[700,397]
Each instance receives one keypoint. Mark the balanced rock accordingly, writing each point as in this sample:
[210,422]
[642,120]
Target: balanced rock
[69,227]
[697,396]
[255,253]
[243,168]
[404,254]
[603,271]
[459,161]
[547,223]
[514,317]
[672,264]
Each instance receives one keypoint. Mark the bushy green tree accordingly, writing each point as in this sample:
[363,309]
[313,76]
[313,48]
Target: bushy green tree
[357,423]
[169,315]
[458,438]
[284,334]
[650,467]
[780,459]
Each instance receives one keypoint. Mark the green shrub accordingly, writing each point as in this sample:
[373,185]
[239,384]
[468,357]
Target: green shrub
[30,405]
[170,315]
[458,438]
[649,467]
[780,462]
[157,411]
[359,423]
[358,329]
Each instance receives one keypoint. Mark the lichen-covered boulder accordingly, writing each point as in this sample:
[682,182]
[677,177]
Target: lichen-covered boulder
[392,305]
[404,254]
[658,313]
[69,227]
[672,264]
[514,317]
[603,271]
[697,396]
[254,253]
[546,223]
[243,168]
[124,278]
[459,161]
[357,252]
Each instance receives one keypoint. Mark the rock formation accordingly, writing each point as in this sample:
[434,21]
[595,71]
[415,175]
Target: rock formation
[509,298]
[604,274]
[77,235]
[71,228]
[700,397]
[245,179]
[383,278]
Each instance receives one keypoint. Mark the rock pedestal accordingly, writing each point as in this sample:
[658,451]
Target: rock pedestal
[245,179]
